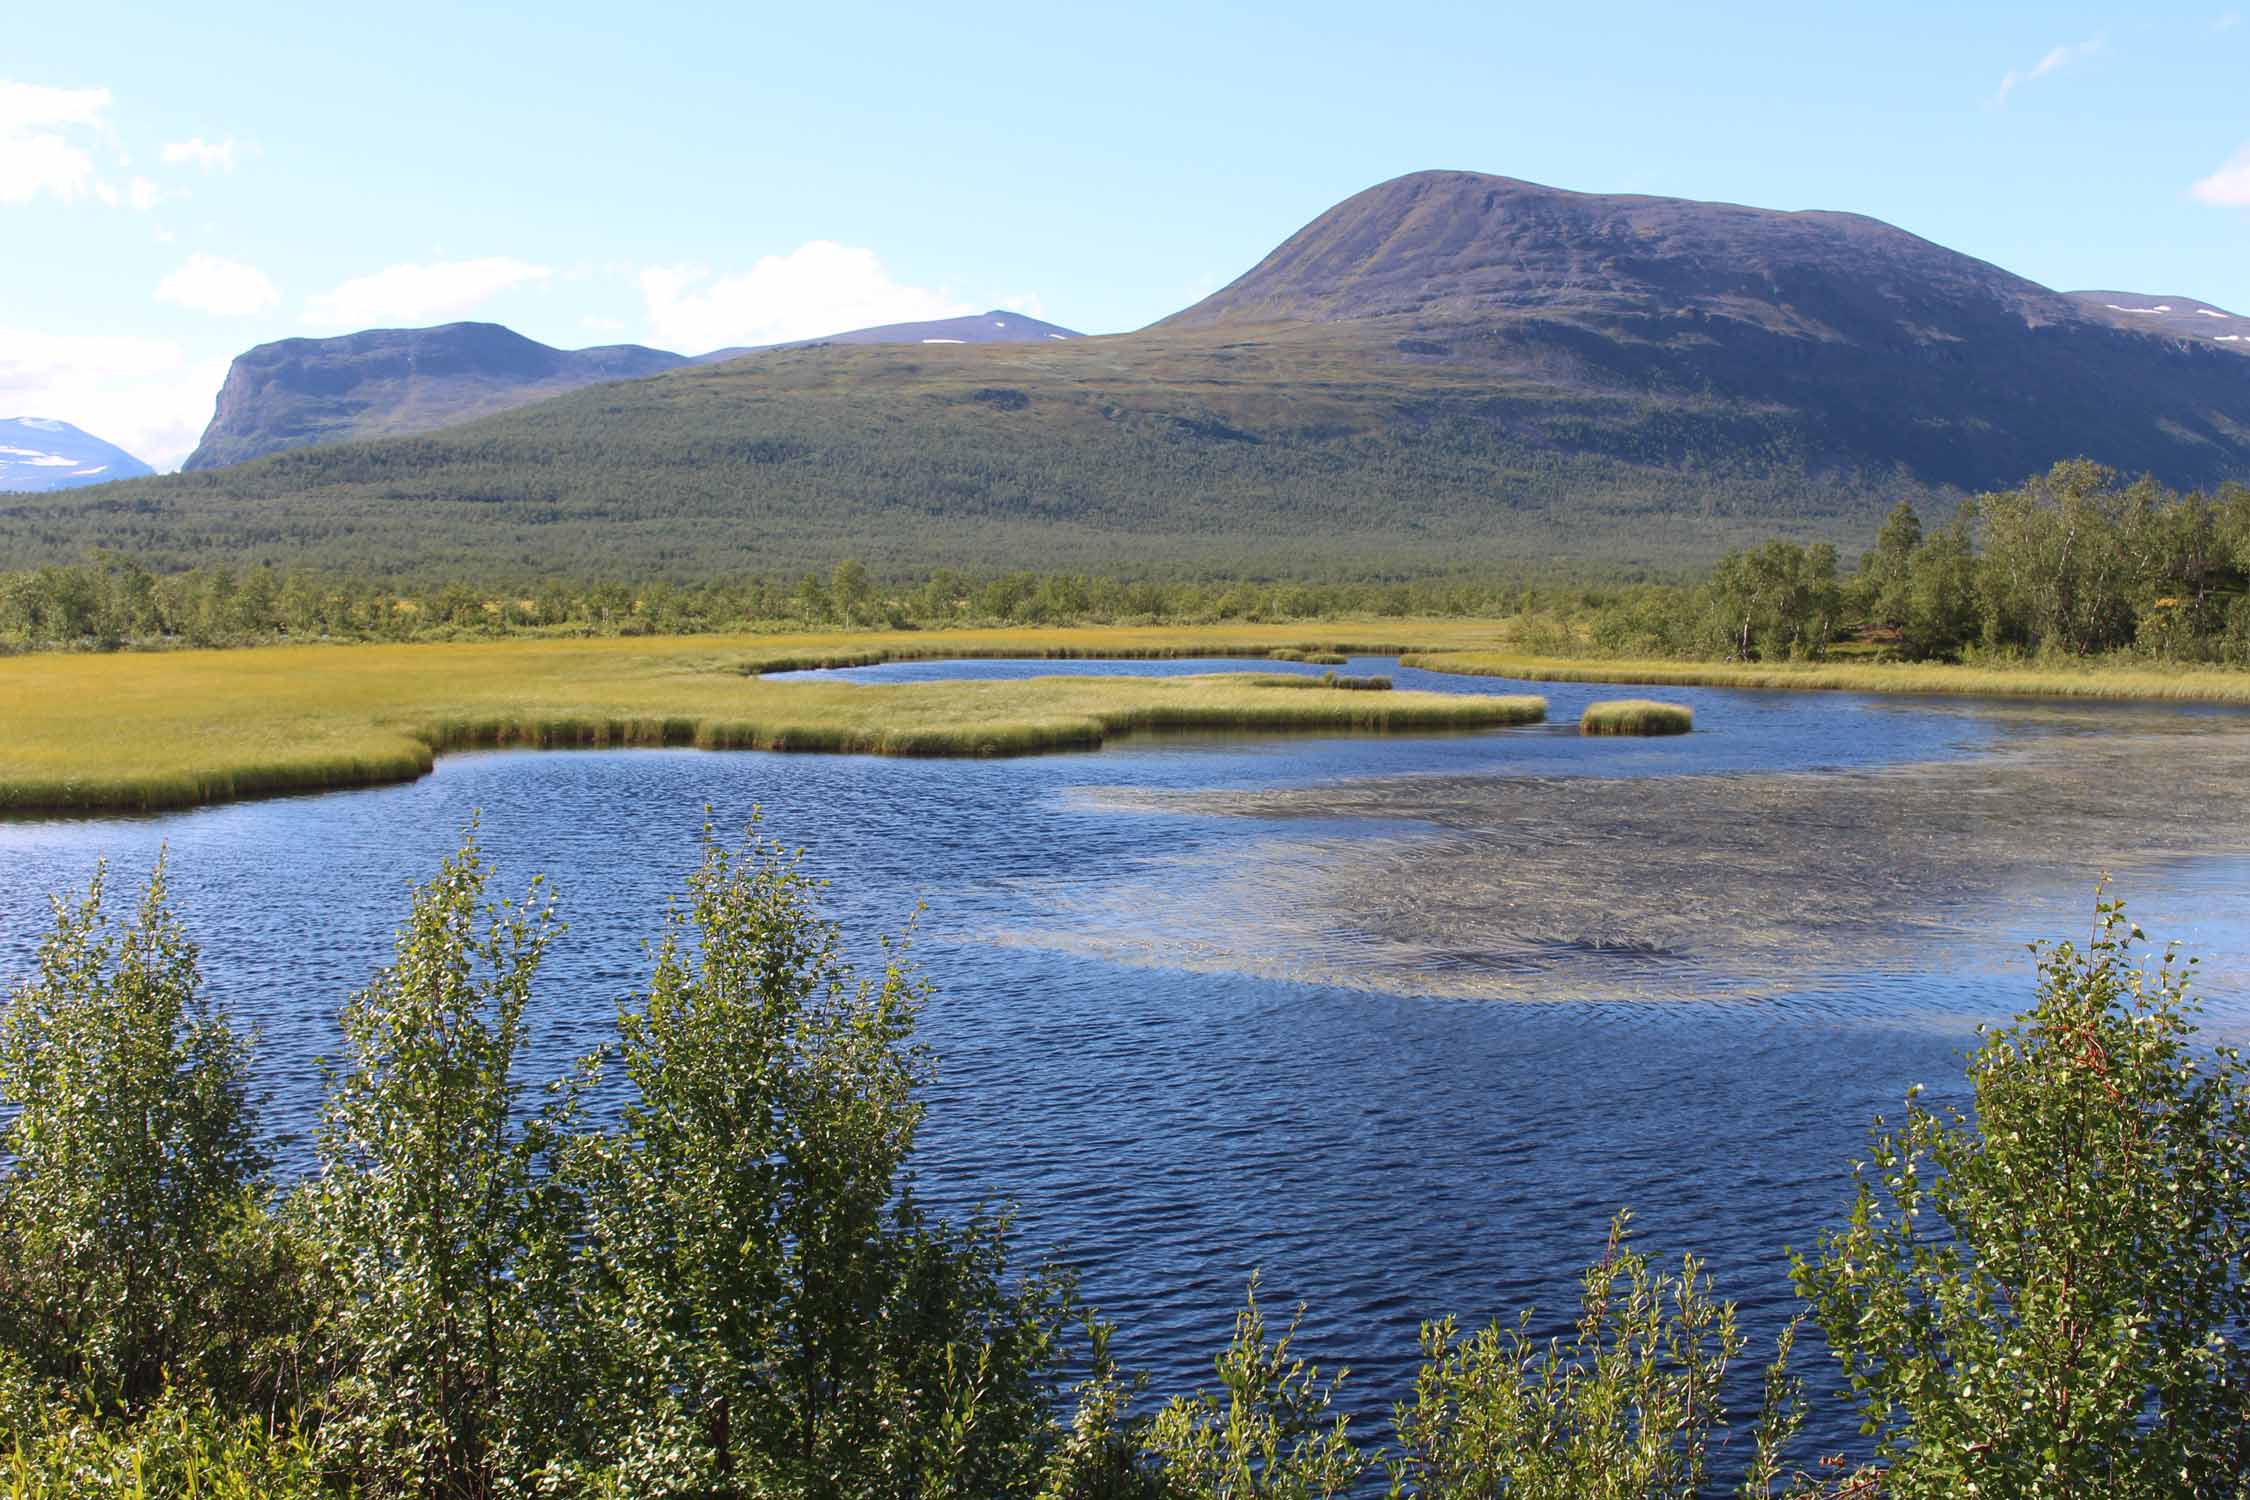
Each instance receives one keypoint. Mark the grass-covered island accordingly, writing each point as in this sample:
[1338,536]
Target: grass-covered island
[1636,716]
[144,730]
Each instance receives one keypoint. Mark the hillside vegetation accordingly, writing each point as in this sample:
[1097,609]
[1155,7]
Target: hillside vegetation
[1449,371]
[1296,452]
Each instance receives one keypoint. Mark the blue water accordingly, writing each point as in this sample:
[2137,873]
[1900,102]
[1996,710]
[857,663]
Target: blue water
[1382,1155]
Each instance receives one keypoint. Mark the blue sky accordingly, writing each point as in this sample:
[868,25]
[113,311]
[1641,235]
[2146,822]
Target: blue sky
[178,183]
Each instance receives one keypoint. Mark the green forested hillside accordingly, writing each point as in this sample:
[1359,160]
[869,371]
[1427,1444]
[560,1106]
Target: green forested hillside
[1291,451]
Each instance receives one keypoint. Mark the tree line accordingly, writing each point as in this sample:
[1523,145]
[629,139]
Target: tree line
[695,1264]
[113,603]
[2077,562]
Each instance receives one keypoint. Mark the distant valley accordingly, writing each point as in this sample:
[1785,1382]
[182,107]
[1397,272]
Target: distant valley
[1450,370]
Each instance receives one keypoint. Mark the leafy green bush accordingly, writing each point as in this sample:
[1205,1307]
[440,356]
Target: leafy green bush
[182,1447]
[770,1309]
[2048,1297]
[1631,1407]
[134,1249]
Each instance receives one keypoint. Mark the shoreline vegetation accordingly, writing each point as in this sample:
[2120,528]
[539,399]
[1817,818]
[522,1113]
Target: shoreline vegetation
[476,1283]
[143,732]
[2151,681]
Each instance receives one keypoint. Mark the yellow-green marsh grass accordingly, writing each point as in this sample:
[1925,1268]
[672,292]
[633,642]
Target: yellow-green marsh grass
[132,731]
[2030,680]
[1636,716]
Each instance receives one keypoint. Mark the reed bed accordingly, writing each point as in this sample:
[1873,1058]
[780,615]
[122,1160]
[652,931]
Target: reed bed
[1636,716]
[1372,683]
[2031,680]
[133,732]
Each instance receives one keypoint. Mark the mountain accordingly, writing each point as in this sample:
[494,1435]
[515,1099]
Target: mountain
[2174,317]
[1447,371]
[40,453]
[389,382]
[996,327]
[1887,351]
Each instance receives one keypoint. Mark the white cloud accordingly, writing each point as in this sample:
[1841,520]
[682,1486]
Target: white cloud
[210,156]
[140,194]
[408,295]
[2229,187]
[221,287]
[594,324]
[2057,58]
[1027,303]
[29,106]
[43,141]
[148,396]
[818,288]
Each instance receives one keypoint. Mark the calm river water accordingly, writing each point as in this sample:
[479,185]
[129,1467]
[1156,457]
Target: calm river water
[1400,1021]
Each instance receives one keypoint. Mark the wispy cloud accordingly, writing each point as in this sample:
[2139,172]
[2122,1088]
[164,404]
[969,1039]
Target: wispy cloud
[224,288]
[139,194]
[44,133]
[47,141]
[2229,187]
[195,151]
[2055,61]
[2227,20]
[407,295]
[819,287]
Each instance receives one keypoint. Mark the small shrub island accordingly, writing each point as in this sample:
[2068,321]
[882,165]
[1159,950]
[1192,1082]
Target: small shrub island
[1636,716]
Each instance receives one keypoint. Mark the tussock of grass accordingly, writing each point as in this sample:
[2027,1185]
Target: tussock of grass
[1636,716]
[1313,657]
[129,731]
[2032,680]
[1368,684]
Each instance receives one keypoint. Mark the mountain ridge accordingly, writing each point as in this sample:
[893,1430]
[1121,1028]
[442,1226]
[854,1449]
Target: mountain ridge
[395,382]
[1446,371]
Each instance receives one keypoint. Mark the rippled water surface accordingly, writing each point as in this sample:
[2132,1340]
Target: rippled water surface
[1400,1020]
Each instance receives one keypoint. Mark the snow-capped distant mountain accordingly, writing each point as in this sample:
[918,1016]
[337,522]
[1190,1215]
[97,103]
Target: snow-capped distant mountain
[40,453]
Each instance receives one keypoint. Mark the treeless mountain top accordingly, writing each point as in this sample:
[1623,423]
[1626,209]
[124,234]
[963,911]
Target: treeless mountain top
[1459,247]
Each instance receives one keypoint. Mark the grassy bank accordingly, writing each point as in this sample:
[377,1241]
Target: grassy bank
[128,732]
[2030,680]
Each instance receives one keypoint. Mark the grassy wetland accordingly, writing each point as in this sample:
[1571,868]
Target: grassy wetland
[136,732]
[2152,681]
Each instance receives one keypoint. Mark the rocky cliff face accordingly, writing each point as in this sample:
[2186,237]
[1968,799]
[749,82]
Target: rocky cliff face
[392,381]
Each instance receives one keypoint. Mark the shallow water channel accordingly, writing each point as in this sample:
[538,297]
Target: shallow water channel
[1399,1020]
